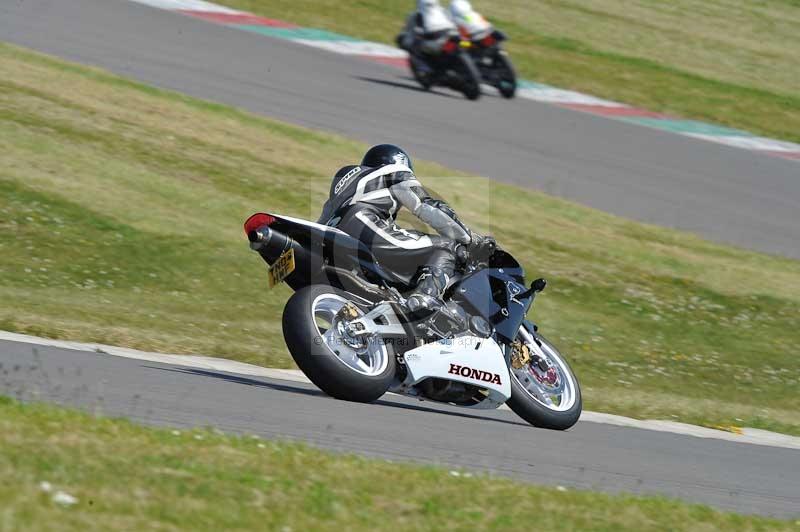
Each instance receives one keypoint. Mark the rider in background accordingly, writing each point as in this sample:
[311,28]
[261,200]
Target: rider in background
[427,28]
[470,23]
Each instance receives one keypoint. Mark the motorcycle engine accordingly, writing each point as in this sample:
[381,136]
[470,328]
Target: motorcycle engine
[449,320]
[452,320]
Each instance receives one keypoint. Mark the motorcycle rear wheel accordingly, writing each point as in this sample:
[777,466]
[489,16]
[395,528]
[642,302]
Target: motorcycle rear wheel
[334,361]
[425,79]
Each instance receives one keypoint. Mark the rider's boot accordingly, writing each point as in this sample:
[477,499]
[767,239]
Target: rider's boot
[427,296]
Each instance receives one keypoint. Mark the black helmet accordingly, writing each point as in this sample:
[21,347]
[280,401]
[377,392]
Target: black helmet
[384,154]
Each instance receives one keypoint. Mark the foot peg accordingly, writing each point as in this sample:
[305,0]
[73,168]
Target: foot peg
[420,305]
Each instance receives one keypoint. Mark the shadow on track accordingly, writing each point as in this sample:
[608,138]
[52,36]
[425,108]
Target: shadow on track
[238,379]
[405,406]
[411,84]
[302,390]
[408,86]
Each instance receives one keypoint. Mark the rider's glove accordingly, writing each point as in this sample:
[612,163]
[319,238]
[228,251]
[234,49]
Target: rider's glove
[481,247]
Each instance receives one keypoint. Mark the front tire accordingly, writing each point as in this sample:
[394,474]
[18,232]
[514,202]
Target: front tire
[531,401]
[311,329]
[470,77]
[506,76]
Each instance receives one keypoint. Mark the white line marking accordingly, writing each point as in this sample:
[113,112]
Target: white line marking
[355,48]
[751,436]
[188,5]
[554,95]
[750,143]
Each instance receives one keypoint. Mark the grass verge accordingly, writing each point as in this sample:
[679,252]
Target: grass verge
[120,222]
[730,62]
[127,477]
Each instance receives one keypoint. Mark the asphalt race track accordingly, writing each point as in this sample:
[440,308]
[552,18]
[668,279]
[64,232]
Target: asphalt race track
[722,193]
[733,476]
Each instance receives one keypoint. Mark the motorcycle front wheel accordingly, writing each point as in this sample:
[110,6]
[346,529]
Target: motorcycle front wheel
[344,366]
[506,77]
[544,391]
[470,78]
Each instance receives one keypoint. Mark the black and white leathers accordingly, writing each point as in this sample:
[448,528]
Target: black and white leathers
[364,203]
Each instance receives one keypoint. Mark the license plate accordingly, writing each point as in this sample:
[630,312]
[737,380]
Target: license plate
[282,267]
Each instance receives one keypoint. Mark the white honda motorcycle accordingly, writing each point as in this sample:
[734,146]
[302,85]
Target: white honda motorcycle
[348,329]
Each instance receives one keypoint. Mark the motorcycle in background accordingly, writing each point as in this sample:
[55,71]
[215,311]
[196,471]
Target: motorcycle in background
[452,67]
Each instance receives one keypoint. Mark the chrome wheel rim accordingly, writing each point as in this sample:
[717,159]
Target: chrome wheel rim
[365,355]
[553,388]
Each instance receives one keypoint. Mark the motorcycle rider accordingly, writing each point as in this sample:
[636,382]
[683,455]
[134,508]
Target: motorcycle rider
[470,23]
[427,28]
[363,202]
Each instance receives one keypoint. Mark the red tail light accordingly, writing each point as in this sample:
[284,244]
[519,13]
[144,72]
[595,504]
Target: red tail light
[450,47]
[488,41]
[259,219]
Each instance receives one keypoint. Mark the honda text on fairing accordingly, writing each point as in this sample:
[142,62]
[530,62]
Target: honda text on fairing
[348,328]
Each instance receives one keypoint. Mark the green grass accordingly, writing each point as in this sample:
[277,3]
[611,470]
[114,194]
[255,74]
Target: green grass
[731,62]
[120,222]
[127,477]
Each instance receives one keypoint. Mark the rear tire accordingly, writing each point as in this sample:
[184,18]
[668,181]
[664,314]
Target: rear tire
[317,360]
[424,79]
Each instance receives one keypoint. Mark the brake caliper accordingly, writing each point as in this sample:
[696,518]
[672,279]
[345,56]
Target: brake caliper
[348,312]
[520,355]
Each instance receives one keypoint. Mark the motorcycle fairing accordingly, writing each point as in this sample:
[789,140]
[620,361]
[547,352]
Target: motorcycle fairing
[495,294]
[468,359]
